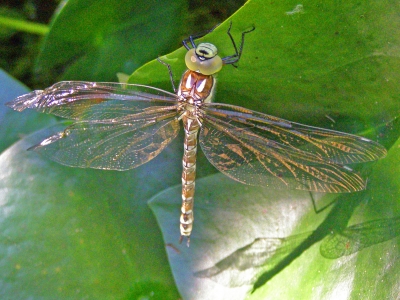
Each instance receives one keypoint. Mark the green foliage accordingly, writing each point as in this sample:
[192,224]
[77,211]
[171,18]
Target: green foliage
[78,233]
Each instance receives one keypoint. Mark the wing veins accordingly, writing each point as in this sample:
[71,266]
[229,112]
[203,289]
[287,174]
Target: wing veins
[289,162]
[337,147]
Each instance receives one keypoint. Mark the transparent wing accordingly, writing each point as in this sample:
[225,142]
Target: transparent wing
[81,100]
[329,145]
[258,149]
[119,146]
[119,126]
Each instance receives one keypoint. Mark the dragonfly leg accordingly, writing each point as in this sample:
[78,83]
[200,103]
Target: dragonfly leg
[171,76]
[194,37]
[232,59]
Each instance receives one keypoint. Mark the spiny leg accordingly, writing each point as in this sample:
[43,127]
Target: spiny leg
[171,76]
[232,59]
[194,37]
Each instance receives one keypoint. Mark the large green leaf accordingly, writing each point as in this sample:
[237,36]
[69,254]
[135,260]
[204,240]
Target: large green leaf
[68,232]
[93,40]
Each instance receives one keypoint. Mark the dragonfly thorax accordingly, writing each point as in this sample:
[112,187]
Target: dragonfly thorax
[196,88]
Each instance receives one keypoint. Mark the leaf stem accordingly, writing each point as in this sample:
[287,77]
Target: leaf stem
[22,25]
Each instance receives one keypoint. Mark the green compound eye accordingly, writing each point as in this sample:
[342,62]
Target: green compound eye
[191,60]
[202,64]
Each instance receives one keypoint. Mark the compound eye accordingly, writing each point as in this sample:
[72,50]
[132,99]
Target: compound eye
[191,60]
[211,66]
[206,51]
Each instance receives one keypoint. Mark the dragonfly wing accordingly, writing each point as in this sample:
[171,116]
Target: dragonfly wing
[119,126]
[111,146]
[245,153]
[80,100]
[328,145]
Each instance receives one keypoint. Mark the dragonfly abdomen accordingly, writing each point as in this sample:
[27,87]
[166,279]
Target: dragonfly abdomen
[191,127]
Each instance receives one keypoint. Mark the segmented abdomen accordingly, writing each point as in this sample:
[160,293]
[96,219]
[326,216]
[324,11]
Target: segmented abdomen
[191,127]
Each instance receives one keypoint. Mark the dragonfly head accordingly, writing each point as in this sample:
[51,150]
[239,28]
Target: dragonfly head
[204,59]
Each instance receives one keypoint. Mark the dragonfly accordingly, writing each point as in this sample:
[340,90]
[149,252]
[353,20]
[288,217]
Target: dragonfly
[120,126]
